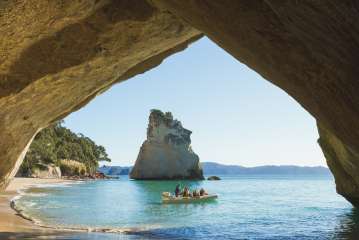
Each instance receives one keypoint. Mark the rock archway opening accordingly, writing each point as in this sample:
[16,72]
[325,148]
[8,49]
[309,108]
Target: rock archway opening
[236,117]
[308,49]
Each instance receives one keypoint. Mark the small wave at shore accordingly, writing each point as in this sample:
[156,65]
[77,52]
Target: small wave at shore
[39,223]
[26,191]
[21,210]
[57,185]
[247,208]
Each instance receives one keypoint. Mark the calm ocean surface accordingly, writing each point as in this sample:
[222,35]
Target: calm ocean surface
[248,207]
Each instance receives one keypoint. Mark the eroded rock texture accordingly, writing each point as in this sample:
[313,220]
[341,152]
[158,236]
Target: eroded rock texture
[167,151]
[55,56]
[310,49]
[343,162]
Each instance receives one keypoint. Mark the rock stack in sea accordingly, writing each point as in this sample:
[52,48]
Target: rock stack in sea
[167,152]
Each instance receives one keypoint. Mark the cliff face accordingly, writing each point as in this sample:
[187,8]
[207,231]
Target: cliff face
[310,49]
[55,56]
[167,152]
[343,162]
[42,171]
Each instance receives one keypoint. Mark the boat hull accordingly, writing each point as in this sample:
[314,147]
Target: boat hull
[205,198]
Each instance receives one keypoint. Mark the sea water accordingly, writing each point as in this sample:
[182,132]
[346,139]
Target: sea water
[248,207]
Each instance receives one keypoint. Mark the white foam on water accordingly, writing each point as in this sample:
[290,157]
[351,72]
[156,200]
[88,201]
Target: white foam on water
[31,194]
[22,208]
[30,203]
[57,185]
[38,222]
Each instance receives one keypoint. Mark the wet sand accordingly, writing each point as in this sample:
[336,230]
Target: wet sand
[10,221]
[15,226]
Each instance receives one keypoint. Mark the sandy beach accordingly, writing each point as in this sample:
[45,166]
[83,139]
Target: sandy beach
[10,221]
[14,226]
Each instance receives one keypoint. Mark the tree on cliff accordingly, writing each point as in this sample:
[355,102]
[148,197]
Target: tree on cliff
[57,142]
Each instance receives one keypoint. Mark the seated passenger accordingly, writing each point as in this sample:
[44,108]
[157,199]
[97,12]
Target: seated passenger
[185,192]
[202,192]
[177,190]
[195,193]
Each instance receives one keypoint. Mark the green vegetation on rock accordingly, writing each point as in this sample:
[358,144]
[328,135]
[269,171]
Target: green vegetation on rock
[74,153]
[72,168]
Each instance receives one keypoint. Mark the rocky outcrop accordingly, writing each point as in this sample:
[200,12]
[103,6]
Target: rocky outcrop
[48,171]
[310,49]
[213,178]
[343,162]
[167,152]
[40,170]
[55,56]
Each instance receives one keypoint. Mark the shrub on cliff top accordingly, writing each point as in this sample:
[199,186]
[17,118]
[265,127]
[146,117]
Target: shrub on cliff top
[157,112]
[72,168]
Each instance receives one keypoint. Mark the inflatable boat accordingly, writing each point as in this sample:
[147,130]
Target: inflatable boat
[168,198]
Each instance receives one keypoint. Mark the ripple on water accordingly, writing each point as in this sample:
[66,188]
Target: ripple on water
[248,208]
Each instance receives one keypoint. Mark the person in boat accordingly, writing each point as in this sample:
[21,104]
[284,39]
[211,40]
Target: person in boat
[195,193]
[202,192]
[185,192]
[177,190]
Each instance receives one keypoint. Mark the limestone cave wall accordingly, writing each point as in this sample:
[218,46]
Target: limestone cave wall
[310,49]
[55,56]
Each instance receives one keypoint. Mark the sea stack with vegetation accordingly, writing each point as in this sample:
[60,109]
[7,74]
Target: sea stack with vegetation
[167,152]
[57,151]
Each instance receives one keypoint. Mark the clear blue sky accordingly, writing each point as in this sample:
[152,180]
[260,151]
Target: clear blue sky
[236,116]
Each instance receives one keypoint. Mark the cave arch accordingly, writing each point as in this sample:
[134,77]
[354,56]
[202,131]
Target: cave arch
[309,49]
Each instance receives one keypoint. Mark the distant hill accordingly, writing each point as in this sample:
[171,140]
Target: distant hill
[211,168]
[114,170]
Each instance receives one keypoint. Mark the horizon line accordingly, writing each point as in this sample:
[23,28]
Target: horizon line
[223,164]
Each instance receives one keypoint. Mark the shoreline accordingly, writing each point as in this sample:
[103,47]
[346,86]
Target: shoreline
[13,222]
[11,219]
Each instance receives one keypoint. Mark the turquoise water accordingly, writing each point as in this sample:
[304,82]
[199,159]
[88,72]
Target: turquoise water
[255,207]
